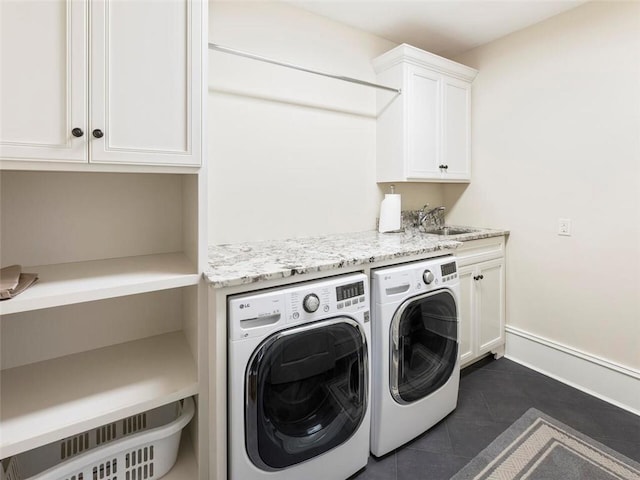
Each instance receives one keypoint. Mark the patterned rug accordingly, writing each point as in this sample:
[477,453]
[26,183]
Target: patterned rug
[537,447]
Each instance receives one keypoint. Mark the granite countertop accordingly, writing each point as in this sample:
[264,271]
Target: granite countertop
[245,263]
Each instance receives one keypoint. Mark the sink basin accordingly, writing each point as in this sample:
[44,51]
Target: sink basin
[452,231]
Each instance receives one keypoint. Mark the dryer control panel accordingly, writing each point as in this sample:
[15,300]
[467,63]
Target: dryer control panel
[258,313]
[413,278]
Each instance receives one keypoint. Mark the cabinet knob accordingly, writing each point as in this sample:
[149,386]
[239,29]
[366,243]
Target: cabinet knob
[98,133]
[445,167]
[77,132]
[478,277]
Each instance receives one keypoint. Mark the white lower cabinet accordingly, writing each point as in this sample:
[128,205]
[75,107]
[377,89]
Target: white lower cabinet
[482,303]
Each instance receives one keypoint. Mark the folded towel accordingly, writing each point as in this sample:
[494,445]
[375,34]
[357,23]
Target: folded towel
[13,281]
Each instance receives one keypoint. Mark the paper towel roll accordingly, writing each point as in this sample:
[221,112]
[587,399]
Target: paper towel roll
[390,213]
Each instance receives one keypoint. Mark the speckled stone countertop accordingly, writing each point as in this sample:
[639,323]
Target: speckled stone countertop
[245,263]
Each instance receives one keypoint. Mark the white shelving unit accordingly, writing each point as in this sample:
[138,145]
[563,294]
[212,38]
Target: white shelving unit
[45,401]
[69,283]
[114,326]
[186,465]
[104,197]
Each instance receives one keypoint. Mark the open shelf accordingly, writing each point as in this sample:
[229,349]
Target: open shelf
[68,283]
[186,466]
[50,400]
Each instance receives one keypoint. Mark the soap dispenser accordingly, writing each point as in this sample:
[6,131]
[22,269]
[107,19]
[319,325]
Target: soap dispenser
[390,217]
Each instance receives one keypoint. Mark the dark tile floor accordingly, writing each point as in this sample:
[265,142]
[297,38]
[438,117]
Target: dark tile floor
[493,394]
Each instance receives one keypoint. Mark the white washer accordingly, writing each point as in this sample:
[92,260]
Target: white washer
[298,381]
[415,362]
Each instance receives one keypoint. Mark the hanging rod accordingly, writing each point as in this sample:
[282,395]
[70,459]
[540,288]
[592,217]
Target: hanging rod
[233,51]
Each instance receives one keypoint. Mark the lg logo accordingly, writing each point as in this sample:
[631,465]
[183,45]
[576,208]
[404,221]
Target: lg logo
[245,305]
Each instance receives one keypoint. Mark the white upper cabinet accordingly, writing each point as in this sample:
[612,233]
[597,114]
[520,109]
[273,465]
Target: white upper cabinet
[145,82]
[456,129]
[141,104]
[43,80]
[423,134]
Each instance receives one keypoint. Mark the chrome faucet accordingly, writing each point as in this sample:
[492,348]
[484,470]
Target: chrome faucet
[431,219]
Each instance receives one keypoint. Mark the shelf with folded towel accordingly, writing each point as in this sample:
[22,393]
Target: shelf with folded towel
[69,283]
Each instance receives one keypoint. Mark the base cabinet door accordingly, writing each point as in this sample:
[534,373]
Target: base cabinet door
[467,314]
[482,309]
[490,287]
[43,84]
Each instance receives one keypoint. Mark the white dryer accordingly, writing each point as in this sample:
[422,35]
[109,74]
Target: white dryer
[415,363]
[298,381]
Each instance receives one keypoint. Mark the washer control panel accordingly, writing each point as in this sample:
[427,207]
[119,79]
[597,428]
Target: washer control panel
[257,313]
[339,295]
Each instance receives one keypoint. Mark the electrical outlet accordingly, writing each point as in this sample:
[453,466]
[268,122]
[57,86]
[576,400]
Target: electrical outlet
[564,226]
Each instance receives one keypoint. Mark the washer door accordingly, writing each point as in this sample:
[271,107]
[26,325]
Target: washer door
[424,345]
[306,391]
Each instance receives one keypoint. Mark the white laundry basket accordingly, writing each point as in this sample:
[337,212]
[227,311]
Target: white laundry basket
[144,446]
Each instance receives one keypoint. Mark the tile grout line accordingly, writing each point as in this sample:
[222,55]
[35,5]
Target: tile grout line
[395,457]
[486,404]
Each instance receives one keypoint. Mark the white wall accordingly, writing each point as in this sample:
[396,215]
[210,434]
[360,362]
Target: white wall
[556,133]
[291,154]
[106,215]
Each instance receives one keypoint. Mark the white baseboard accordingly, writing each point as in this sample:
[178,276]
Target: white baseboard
[611,382]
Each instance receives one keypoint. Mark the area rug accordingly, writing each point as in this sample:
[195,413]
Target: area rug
[538,447]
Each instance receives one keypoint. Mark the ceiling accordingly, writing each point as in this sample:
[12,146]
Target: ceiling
[444,27]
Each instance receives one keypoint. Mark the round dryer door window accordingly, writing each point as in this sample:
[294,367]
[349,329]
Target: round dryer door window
[305,392]
[424,345]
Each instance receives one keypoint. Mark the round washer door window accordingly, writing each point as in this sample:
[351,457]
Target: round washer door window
[424,345]
[305,392]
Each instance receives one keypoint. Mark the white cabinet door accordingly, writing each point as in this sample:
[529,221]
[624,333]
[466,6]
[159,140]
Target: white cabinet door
[490,305]
[482,308]
[146,82]
[43,89]
[467,314]
[424,133]
[424,128]
[456,132]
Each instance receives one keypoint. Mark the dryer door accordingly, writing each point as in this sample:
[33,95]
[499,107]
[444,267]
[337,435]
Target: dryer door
[424,345]
[306,391]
